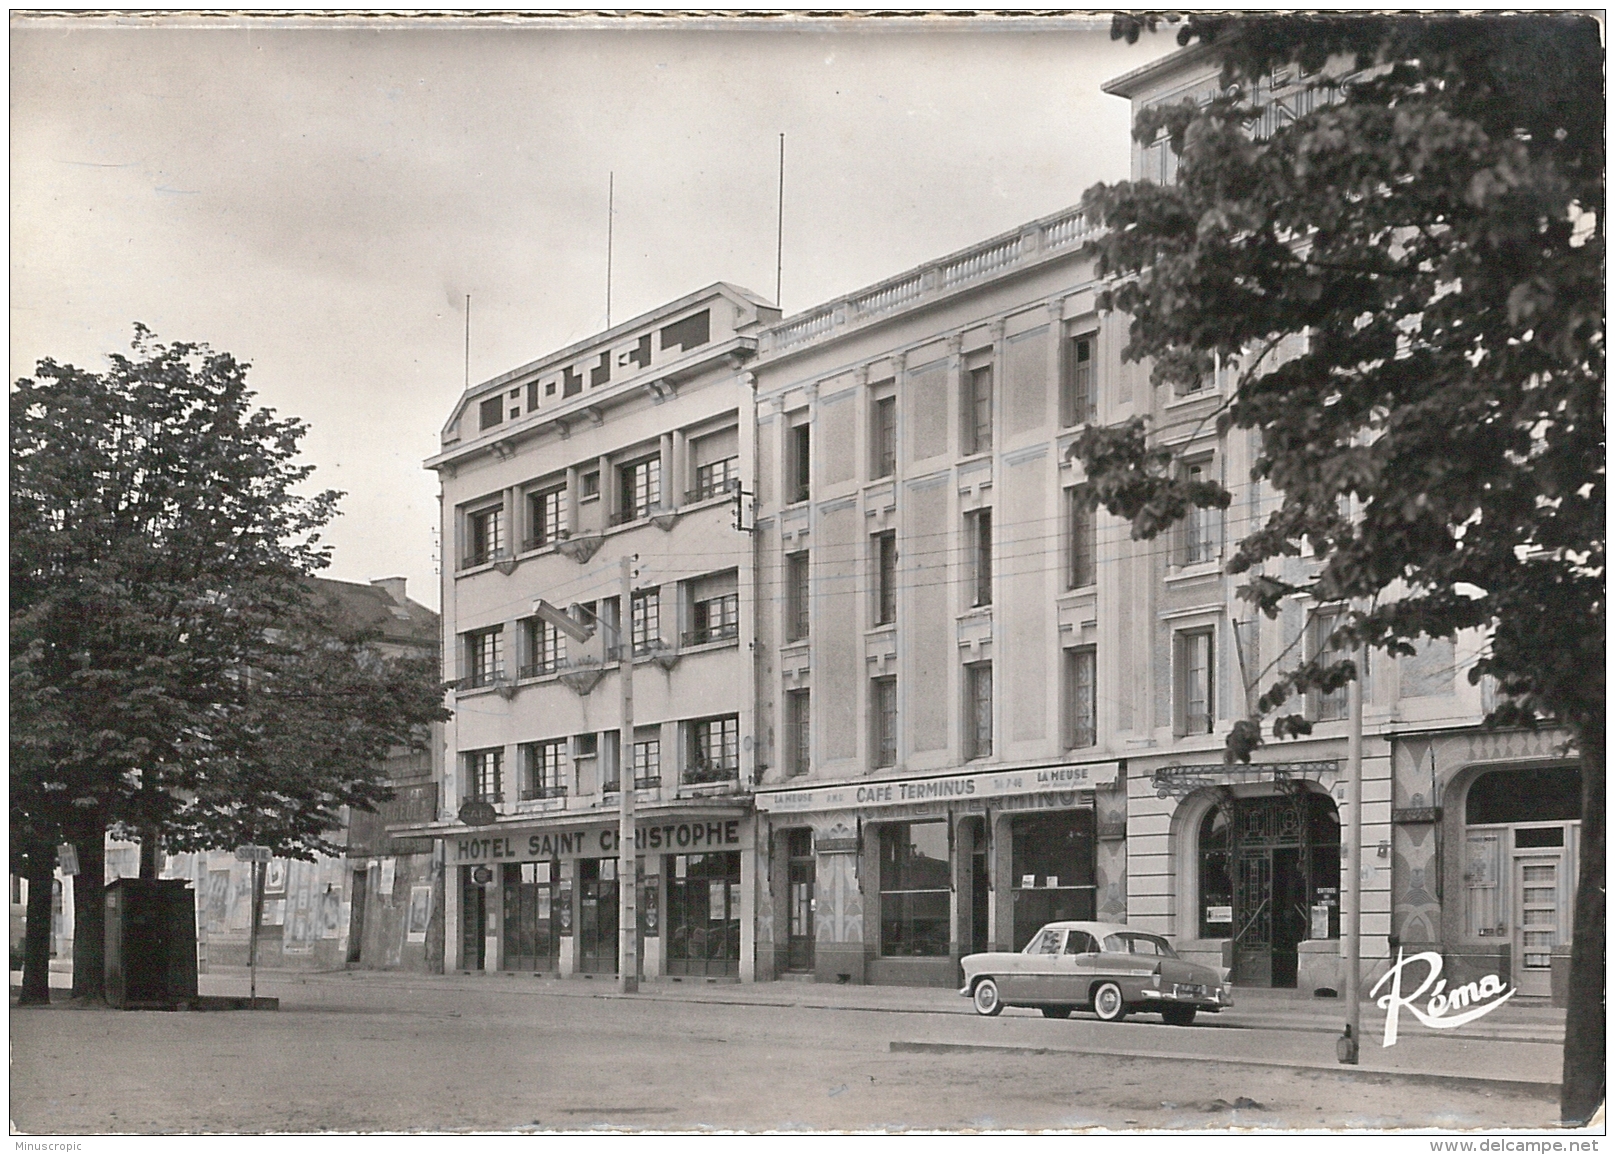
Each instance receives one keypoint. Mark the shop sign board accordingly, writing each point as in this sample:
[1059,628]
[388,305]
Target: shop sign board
[692,835]
[947,788]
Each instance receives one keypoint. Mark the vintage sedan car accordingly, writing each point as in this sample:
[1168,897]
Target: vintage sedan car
[1098,966]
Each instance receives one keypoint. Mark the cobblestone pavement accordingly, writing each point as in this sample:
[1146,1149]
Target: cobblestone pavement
[373,1051]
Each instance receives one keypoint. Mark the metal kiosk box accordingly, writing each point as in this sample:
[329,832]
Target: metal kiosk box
[150,943]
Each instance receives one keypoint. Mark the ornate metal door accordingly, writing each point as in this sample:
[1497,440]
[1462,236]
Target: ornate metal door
[1270,837]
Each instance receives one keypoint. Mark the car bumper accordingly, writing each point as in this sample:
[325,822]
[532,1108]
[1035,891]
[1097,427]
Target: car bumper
[1213,1000]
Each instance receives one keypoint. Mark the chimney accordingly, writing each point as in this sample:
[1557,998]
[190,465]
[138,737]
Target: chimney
[394,587]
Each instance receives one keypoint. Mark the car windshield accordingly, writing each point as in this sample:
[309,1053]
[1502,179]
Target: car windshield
[1046,941]
[1139,944]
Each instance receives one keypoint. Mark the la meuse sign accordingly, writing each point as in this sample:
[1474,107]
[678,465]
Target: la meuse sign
[673,836]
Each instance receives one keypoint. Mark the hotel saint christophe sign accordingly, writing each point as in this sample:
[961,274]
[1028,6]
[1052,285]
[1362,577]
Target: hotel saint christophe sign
[1026,788]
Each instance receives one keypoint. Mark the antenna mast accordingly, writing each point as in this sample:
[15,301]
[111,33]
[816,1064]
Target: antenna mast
[468,340]
[611,200]
[779,226]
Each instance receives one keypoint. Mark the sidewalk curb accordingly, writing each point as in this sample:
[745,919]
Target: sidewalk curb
[1526,1087]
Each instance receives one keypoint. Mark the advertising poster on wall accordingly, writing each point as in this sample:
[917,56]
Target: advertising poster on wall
[420,913]
[389,871]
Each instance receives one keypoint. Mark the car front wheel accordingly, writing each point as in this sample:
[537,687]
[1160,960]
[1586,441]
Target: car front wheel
[1177,1016]
[1108,1003]
[985,998]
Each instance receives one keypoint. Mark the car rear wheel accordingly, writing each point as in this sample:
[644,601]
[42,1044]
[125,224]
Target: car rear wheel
[985,998]
[1056,1012]
[1177,1016]
[1108,1003]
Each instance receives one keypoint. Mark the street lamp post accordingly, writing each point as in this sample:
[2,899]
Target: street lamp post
[1346,1048]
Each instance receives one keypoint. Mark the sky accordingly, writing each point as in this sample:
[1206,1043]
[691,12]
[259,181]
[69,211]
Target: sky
[318,196]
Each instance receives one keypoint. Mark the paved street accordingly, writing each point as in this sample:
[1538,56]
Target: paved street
[371,1051]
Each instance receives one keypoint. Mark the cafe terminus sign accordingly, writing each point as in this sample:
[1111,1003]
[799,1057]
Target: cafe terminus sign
[948,788]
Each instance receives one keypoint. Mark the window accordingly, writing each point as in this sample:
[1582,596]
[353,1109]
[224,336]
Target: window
[977,422]
[797,620]
[980,532]
[641,489]
[543,770]
[484,656]
[883,714]
[886,578]
[798,459]
[590,485]
[1328,707]
[491,412]
[1198,531]
[883,437]
[798,721]
[546,648]
[716,458]
[647,759]
[914,889]
[1078,397]
[714,609]
[714,750]
[482,776]
[647,625]
[979,710]
[1194,682]
[1053,870]
[1081,698]
[546,511]
[485,535]
[1083,542]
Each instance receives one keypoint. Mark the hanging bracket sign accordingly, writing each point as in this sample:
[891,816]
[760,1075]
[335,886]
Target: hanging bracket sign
[253,854]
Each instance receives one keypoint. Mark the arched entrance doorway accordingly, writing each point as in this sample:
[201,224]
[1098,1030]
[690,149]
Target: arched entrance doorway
[1269,879]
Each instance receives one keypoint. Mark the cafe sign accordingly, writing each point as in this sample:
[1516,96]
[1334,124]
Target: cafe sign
[948,788]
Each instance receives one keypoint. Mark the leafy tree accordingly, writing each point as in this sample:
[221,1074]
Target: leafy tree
[1426,225]
[170,671]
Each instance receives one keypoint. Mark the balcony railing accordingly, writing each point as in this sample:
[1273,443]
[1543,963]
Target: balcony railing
[704,772]
[481,557]
[713,489]
[725,632]
[539,669]
[484,677]
[544,792]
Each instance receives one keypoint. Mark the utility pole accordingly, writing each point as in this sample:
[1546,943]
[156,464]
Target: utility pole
[627,852]
[1346,1047]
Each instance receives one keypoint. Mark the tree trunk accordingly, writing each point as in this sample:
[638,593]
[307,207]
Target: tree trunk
[36,941]
[89,912]
[1583,1079]
[150,852]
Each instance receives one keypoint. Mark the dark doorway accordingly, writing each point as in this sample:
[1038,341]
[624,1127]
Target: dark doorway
[703,914]
[530,941]
[1053,867]
[356,916]
[597,916]
[473,922]
[800,901]
[978,889]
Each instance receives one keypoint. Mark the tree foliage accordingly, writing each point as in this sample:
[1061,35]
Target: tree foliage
[1433,230]
[1405,263]
[170,670]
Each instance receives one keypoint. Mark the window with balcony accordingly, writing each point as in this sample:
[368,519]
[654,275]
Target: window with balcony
[883,437]
[546,515]
[979,530]
[1198,535]
[1194,681]
[714,753]
[1082,700]
[976,423]
[543,770]
[798,726]
[797,619]
[485,535]
[716,458]
[641,489]
[647,624]
[883,722]
[1079,394]
[714,609]
[484,656]
[482,776]
[798,458]
[885,578]
[1082,540]
[647,759]
[545,648]
[1330,707]
[979,710]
